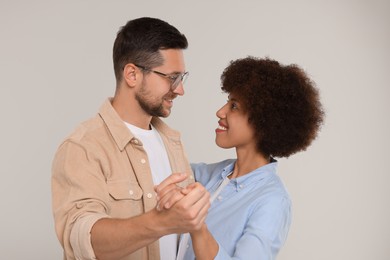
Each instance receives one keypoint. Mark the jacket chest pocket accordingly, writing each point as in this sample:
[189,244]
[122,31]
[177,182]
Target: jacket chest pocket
[125,199]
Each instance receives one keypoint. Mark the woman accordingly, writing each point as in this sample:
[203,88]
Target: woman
[272,111]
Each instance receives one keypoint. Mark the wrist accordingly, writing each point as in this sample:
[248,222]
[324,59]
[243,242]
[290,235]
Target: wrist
[155,224]
[201,231]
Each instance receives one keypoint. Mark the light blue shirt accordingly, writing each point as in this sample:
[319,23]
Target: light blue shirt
[251,216]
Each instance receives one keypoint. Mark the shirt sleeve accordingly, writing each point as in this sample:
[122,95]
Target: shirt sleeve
[265,232]
[80,237]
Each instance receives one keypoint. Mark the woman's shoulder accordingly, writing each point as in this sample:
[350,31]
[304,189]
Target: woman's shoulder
[211,167]
[205,171]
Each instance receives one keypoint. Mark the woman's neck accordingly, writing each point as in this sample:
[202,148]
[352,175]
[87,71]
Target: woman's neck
[248,161]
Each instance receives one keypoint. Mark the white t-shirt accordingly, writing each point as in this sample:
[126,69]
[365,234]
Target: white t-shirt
[161,169]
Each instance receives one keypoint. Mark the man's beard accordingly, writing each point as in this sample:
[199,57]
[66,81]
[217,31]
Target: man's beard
[148,106]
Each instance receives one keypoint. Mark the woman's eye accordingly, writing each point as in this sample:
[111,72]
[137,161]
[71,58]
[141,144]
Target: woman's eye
[232,104]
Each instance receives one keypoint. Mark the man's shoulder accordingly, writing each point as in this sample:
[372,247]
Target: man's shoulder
[90,128]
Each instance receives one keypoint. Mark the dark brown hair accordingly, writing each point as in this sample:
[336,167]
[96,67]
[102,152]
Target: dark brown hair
[140,41]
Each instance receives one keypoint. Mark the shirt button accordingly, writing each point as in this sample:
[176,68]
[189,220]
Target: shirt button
[187,245]
[219,198]
[149,195]
[131,192]
[241,186]
[135,141]
[143,161]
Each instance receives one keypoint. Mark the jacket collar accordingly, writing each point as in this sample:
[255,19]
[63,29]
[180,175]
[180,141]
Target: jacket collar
[119,131]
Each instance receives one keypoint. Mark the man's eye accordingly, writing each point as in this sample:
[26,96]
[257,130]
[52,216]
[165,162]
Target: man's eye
[174,77]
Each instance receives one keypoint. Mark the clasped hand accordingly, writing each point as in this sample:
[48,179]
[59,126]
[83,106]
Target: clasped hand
[188,206]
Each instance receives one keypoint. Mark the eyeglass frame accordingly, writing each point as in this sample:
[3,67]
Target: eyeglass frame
[175,82]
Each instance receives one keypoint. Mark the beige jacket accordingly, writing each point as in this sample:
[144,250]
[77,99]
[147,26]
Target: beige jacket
[101,170]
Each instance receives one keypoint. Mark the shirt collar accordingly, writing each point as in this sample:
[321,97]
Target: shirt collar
[227,170]
[258,174]
[120,132]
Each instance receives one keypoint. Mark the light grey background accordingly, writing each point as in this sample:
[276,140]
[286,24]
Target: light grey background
[56,70]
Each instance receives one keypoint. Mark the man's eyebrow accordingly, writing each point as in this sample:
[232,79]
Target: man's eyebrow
[175,73]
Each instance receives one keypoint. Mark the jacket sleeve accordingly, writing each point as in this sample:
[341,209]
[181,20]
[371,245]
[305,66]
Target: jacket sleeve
[79,197]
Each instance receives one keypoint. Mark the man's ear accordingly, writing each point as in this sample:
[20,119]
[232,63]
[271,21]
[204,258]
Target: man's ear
[130,74]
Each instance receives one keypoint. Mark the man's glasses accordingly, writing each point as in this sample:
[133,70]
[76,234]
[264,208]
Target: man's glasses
[175,79]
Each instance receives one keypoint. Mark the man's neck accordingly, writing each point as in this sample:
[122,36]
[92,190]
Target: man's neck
[130,112]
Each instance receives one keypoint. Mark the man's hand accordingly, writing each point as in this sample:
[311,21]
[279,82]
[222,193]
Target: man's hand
[187,206]
[168,192]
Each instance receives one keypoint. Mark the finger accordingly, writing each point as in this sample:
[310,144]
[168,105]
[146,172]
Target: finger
[172,200]
[168,189]
[166,195]
[193,196]
[191,186]
[171,179]
[172,197]
[203,202]
[175,195]
[203,214]
[187,189]
[198,212]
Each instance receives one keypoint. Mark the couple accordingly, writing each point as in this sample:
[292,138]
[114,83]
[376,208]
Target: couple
[114,194]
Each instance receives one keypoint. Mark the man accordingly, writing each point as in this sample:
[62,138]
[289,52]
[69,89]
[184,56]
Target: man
[105,172]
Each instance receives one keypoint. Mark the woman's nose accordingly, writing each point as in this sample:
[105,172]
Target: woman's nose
[221,112]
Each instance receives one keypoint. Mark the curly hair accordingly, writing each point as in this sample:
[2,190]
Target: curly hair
[282,103]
